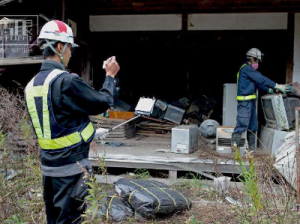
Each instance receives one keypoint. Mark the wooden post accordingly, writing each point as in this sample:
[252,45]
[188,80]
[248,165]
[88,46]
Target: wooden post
[297,157]
[173,176]
[290,48]
[63,13]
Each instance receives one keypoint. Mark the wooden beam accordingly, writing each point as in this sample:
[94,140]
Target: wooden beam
[290,50]
[184,22]
[204,167]
[191,6]
[110,179]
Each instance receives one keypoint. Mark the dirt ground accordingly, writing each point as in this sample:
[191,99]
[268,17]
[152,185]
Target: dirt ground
[207,207]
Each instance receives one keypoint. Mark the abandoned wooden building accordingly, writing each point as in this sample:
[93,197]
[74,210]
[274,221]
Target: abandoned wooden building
[166,49]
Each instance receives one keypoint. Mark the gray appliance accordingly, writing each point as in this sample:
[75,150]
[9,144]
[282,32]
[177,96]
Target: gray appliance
[184,139]
[271,139]
[229,104]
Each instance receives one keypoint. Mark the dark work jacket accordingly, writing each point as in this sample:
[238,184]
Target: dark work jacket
[73,101]
[250,79]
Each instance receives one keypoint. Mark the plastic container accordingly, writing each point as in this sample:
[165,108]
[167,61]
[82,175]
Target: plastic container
[174,114]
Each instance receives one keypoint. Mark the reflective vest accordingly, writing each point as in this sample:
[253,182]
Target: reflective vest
[243,98]
[51,136]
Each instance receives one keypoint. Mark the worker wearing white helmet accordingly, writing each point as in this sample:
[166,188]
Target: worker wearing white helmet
[248,80]
[59,104]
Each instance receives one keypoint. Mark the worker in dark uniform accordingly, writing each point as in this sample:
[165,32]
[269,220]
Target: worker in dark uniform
[248,79]
[59,105]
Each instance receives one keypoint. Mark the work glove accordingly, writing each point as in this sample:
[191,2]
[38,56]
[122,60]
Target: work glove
[271,91]
[101,133]
[280,88]
[288,88]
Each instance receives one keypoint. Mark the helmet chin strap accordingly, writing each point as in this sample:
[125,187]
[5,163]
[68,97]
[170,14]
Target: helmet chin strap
[49,44]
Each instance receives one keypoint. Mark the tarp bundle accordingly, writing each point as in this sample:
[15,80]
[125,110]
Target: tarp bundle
[114,209]
[140,199]
[151,198]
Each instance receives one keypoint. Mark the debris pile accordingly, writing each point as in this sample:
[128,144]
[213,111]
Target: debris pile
[152,128]
[163,117]
[122,132]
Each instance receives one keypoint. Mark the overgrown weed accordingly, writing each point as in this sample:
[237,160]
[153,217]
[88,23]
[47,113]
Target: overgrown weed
[266,197]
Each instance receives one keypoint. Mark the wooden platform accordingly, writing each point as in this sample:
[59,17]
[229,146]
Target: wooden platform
[143,153]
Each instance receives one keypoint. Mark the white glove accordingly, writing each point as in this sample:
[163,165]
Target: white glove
[280,88]
[101,133]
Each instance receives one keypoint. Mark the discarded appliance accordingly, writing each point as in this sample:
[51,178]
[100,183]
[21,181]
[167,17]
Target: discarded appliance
[224,136]
[151,198]
[208,128]
[229,104]
[286,159]
[279,111]
[271,139]
[206,104]
[174,114]
[184,139]
[162,105]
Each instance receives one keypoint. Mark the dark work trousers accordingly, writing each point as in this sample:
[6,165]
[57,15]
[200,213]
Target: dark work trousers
[246,116]
[60,208]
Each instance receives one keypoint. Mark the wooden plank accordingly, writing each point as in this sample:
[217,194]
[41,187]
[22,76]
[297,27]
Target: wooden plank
[111,23]
[120,115]
[99,118]
[110,179]
[290,48]
[154,135]
[204,167]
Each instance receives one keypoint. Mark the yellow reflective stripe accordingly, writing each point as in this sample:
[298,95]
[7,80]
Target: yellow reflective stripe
[36,91]
[108,207]
[238,74]
[87,132]
[46,118]
[34,116]
[242,98]
[59,143]
[46,115]
[32,109]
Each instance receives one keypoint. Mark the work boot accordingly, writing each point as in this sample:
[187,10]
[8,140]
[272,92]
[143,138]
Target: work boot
[251,141]
[236,139]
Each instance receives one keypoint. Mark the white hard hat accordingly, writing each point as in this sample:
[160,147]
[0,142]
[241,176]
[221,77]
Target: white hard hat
[56,30]
[254,52]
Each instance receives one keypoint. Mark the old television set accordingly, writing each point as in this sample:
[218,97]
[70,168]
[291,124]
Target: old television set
[279,111]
